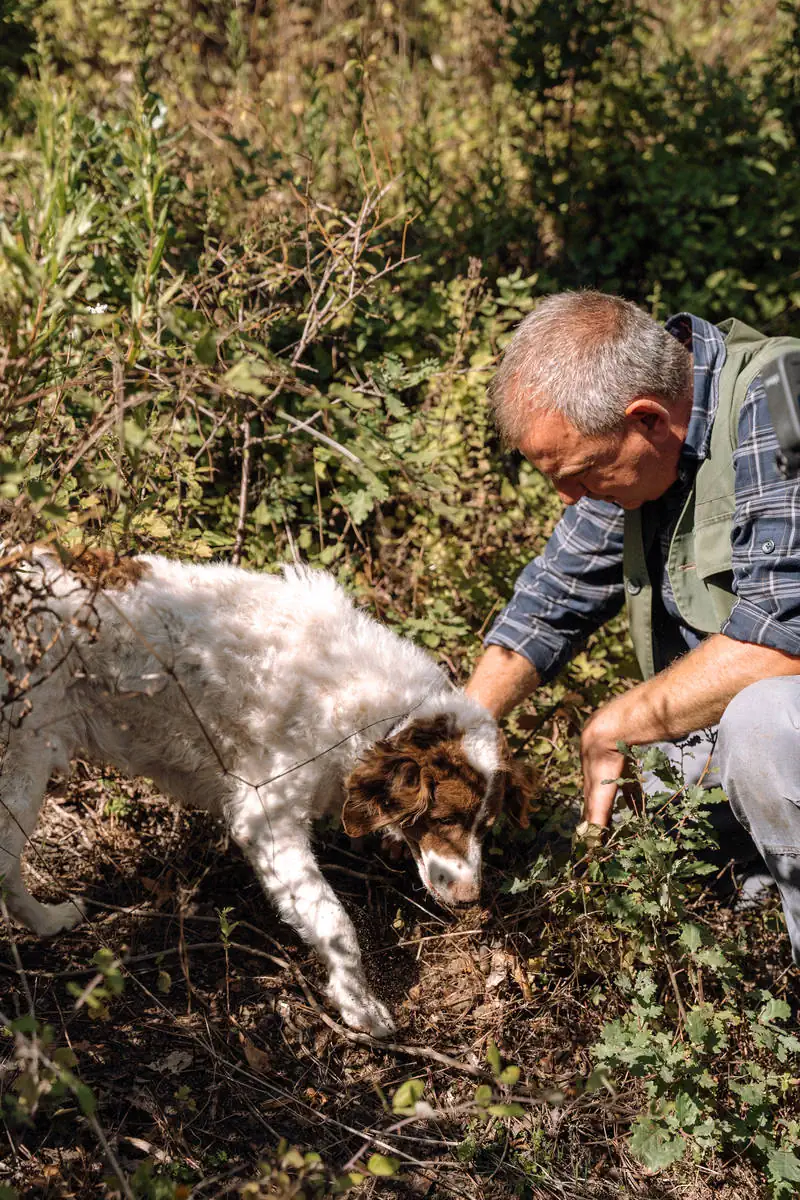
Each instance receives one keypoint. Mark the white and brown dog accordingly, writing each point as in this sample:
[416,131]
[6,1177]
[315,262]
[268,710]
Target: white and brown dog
[266,700]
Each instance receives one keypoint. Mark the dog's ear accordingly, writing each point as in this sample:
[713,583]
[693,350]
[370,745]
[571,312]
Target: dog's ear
[387,788]
[518,789]
[522,786]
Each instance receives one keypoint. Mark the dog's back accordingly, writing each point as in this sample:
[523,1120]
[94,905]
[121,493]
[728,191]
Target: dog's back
[165,669]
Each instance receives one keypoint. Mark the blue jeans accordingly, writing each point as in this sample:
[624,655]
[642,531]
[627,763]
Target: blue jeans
[756,760]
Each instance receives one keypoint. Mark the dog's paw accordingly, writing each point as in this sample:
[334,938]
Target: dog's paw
[57,918]
[360,1009]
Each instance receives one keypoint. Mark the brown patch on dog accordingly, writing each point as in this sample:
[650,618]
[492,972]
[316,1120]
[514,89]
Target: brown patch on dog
[422,781]
[103,568]
[422,773]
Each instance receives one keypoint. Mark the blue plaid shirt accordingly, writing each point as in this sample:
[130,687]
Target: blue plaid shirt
[576,583]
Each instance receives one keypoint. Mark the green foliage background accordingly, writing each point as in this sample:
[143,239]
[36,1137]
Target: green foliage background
[257,260]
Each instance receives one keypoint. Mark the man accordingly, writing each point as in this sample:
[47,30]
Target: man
[659,441]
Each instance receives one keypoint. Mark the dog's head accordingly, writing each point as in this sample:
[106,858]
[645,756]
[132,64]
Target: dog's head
[439,789]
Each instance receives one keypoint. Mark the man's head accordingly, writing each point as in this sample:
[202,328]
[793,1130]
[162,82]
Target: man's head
[597,395]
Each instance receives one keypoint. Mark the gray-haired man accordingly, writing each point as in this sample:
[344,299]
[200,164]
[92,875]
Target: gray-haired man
[659,440]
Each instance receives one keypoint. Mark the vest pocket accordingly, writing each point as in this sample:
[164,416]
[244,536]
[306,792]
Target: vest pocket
[712,545]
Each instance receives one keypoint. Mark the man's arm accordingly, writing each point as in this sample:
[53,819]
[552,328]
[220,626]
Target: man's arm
[760,640]
[502,680]
[691,694]
[559,599]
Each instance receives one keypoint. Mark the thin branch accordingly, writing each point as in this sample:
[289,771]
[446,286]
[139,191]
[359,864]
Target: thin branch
[59,1073]
[244,487]
[307,427]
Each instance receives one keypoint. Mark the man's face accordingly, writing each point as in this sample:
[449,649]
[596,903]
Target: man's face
[628,467]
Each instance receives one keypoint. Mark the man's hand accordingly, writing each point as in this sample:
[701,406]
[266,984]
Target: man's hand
[691,694]
[601,761]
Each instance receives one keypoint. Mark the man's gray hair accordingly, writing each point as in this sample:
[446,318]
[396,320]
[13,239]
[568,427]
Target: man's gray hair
[586,355]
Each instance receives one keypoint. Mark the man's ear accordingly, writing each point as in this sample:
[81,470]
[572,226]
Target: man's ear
[653,417]
[387,788]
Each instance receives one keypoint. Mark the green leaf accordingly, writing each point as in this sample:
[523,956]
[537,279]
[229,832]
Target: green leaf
[654,1147]
[85,1098]
[64,1057]
[205,348]
[784,1165]
[383,1164]
[691,937]
[344,1183]
[408,1094]
[715,279]
[598,1079]
[27,1023]
[697,1024]
[506,1110]
[509,1076]
[359,506]
[686,1110]
[354,399]
[774,1010]
[483,1095]
[293,1160]
[245,376]
[493,1058]
[750,1093]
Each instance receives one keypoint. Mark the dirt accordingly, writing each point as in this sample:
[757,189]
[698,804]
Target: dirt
[213,1054]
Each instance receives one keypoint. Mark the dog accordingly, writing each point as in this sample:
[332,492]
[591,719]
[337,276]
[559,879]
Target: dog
[267,700]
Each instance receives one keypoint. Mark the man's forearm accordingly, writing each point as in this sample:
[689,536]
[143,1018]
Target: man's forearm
[691,694]
[501,680]
[695,691]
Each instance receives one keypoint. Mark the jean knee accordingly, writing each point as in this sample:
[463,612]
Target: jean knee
[760,713]
[759,750]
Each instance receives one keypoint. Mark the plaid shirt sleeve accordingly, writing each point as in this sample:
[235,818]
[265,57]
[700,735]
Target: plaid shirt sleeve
[765,537]
[568,591]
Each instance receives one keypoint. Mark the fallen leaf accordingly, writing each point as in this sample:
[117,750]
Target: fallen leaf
[259,1060]
[175,1062]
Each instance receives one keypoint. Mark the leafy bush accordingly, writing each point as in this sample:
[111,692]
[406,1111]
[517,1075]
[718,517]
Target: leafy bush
[675,1034]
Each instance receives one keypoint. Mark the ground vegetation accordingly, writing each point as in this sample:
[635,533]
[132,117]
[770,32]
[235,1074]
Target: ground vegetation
[256,263]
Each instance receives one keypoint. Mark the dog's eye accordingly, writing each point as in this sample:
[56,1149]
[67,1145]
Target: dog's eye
[445,822]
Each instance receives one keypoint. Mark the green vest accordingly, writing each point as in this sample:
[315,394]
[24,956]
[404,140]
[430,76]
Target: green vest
[699,559]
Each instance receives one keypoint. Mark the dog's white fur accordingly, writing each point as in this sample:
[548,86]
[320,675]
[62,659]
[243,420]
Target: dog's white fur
[251,696]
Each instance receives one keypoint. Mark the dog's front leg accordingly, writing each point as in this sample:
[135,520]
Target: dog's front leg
[280,851]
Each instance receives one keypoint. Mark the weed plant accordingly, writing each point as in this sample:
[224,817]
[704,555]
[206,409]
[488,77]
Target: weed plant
[256,263]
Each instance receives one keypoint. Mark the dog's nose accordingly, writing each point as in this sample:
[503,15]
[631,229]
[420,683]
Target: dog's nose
[463,891]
